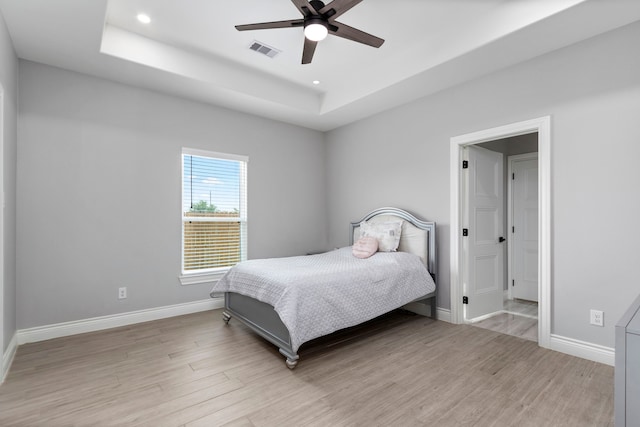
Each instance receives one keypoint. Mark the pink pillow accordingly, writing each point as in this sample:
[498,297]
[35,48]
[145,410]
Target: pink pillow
[365,247]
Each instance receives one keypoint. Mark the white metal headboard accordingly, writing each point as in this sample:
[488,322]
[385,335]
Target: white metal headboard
[422,243]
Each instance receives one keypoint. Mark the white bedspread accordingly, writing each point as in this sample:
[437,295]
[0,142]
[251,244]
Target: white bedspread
[318,294]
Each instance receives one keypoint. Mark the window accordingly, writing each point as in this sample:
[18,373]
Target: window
[214,214]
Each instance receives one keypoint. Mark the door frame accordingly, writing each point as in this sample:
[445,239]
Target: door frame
[542,126]
[510,244]
[2,207]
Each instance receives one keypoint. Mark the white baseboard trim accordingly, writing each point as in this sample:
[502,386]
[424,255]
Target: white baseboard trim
[585,350]
[443,314]
[7,357]
[93,324]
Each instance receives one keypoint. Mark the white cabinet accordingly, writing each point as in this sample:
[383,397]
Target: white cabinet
[627,374]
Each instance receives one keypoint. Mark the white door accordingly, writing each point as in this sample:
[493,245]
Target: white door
[484,243]
[524,248]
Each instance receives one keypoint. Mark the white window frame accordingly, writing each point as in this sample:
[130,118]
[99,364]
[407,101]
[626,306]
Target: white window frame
[213,274]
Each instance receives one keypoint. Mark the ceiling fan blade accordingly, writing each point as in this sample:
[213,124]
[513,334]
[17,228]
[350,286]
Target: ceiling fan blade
[305,7]
[269,25]
[339,7]
[309,49]
[346,32]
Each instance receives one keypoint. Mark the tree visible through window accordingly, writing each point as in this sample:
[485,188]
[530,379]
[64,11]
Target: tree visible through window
[213,211]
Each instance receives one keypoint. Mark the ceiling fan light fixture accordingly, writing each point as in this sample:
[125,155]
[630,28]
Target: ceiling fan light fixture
[318,21]
[315,29]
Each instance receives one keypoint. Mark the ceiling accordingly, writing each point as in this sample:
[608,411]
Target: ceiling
[192,50]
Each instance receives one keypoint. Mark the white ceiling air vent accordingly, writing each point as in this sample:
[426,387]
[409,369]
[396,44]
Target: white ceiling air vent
[262,48]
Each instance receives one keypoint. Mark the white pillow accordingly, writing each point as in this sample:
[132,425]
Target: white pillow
[387,233]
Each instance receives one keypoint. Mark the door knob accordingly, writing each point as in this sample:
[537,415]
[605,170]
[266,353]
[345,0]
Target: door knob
[501,239]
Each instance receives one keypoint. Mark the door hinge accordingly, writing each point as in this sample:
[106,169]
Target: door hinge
[465,300]
[513,283]
[513,176]
[513,229]
[465,232]
[465,164]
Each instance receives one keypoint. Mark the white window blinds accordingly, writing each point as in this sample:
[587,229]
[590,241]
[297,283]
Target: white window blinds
[214,211]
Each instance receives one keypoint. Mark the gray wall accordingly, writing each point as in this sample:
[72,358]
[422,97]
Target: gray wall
[9,82]
[592,92]
[99,181]
[99,177]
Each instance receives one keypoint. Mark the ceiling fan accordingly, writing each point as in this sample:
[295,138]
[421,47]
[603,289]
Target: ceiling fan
[319,20]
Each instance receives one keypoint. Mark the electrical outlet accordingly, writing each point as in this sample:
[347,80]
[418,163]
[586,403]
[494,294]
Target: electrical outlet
[122,293]
[597,317]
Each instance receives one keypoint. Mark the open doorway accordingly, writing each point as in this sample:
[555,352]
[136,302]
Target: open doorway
[515,310]
[491,230]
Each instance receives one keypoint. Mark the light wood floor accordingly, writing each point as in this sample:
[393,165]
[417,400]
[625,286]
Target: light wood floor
[401,370]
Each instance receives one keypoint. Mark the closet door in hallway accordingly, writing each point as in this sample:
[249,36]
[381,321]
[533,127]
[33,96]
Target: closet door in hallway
[524,248]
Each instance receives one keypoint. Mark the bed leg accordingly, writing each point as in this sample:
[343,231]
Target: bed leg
[291,364]
[226,317]
[292,357]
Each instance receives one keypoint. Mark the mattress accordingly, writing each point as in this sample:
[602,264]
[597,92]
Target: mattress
[316,295]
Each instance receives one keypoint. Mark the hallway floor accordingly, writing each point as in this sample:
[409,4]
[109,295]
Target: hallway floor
[519,319]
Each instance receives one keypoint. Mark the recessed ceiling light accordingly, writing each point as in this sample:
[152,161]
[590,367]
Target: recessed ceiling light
[316,82]
[143,18]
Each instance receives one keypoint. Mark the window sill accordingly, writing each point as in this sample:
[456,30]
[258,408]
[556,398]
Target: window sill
[199,278]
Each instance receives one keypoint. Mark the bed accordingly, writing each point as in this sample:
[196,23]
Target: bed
[289,301]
